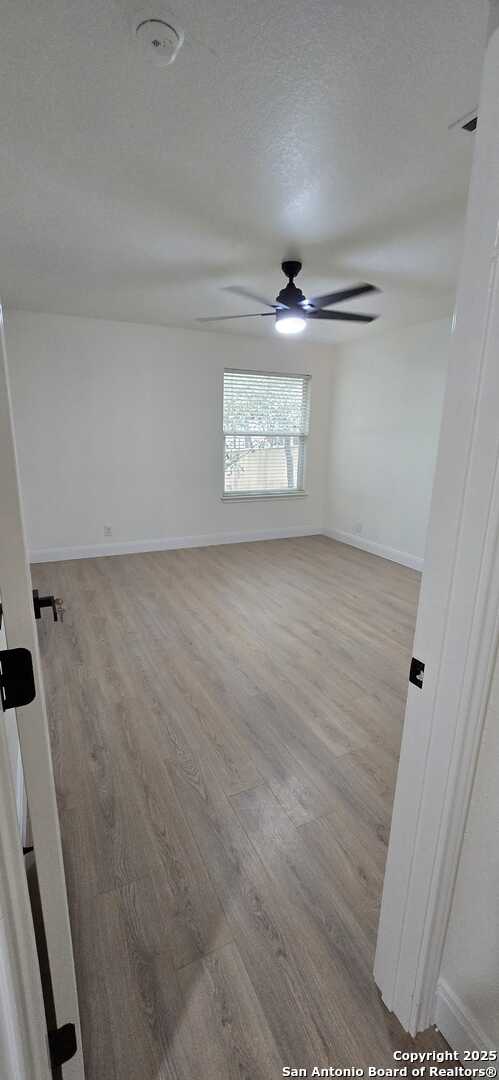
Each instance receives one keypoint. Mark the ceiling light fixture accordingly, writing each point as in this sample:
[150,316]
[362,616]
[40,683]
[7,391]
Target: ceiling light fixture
[290,322]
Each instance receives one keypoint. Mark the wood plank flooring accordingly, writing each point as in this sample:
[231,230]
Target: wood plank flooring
[225,726]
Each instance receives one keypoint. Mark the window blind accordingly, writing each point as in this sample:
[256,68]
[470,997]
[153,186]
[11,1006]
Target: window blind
[265,426]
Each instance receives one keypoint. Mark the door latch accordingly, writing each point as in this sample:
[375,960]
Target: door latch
[40,602]
[53,602]
[416,673]
[17,681]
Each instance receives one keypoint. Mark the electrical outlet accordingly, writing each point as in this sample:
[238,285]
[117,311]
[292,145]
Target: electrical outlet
[358,528]
[108,530]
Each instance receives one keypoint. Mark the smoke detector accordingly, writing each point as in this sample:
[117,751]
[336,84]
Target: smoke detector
[158,41]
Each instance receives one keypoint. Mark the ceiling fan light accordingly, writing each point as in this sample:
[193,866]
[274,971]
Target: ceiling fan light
[290,323]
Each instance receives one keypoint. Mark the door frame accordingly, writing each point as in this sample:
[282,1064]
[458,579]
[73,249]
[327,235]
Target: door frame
[32,725]
[457,628]
[23,1033]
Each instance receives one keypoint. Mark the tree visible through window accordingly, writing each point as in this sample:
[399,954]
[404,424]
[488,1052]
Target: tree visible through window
[265,424]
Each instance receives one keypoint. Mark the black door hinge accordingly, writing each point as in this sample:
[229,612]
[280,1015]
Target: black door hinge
[416,673]
[17,681]
[62,1045]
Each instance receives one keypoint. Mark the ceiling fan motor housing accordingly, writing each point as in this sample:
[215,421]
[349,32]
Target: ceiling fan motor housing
[290,295]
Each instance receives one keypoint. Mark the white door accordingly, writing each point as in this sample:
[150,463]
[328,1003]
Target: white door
[20,630]
[457,626]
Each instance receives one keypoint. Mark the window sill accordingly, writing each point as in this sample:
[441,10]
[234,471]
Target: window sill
[242,497]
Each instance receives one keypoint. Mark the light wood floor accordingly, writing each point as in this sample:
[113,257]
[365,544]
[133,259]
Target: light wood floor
[225,726]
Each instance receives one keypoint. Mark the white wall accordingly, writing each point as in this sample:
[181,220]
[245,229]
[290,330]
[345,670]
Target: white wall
[387,394]
[468,995]
[120,424]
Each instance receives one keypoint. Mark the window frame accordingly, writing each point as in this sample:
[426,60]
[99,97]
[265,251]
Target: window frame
[285,493]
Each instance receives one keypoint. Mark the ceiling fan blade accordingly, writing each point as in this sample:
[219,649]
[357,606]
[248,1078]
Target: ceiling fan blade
[222,318]
[341,316]
[342,294]
[248,295]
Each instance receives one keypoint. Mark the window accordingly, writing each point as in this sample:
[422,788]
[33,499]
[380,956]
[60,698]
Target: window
[265,424]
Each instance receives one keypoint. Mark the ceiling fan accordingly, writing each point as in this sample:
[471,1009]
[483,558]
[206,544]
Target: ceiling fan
[292,309]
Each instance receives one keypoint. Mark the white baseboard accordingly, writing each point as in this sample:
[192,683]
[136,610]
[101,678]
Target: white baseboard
[402,557]
[130,547]
[456,1023]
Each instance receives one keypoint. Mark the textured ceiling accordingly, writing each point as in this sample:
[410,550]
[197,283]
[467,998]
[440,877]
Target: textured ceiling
[315,128]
